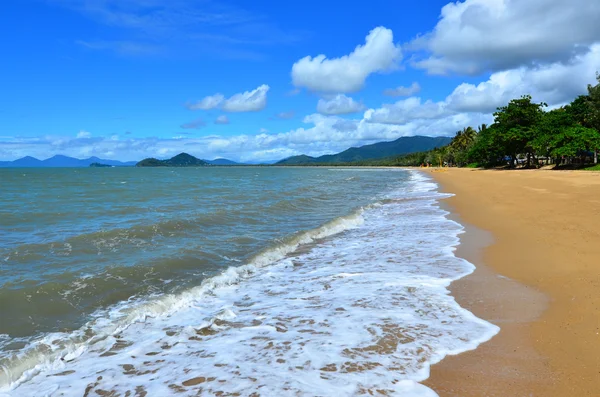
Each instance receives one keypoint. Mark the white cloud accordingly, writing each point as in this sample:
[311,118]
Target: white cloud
[345,125]
[477,35]
[414,88]
[263,130]
[349,72]
[249,101]
[555,84]
[340,104]
[407,110]
[84,134]
[207,103]
[321,135]
[222,119]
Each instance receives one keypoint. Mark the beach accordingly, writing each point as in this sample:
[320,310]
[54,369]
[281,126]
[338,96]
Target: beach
[534,238]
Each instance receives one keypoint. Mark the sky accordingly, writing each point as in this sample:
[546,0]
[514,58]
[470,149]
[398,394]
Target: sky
[264,80]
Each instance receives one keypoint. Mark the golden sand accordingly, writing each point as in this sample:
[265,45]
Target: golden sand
[538,279]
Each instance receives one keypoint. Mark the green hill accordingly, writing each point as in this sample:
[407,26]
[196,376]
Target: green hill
[181,160]
[380,150]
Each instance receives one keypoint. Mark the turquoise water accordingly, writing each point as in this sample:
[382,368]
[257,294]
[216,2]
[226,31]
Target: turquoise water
[88,256]
[75,240]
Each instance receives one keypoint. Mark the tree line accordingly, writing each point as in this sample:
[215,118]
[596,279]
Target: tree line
[526,134]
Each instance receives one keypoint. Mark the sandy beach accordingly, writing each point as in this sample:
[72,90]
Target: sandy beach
[535,238]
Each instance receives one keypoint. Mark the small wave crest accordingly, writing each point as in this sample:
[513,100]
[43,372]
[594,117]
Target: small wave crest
[365,312]
[53,349]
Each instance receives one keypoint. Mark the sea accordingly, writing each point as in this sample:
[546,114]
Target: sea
[227,281]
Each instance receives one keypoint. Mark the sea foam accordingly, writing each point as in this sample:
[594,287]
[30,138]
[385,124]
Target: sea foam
[357,306]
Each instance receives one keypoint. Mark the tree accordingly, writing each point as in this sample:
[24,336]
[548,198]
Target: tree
[593,101]
[460,146]
[516,126]
[574,141]
[550,126]
[581,111]
[486,149]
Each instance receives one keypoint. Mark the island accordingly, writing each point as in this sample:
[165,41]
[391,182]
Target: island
[181,160]
[100,165]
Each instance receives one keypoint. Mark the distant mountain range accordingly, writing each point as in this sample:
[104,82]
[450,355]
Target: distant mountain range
[63,161]
[404,145]
[222,162]
[401,146]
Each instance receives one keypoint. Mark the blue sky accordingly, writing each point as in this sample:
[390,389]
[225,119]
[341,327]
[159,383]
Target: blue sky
[128,79]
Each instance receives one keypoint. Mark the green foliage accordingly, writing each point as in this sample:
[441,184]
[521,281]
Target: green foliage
[573,140]
[522,129]
[151,162]
[593,102]
[553,123]
[516,126]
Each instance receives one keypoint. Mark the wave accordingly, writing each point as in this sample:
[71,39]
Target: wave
[52,349]
[357,306]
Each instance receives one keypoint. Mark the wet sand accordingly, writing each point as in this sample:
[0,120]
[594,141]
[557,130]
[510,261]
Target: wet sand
[535,238]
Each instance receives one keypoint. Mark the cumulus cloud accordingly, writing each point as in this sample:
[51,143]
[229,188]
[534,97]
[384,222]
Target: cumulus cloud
[222,119]
[407,110]
[349,72]
[207,103]
[414,88]
[248,101]
[339,104]
[196,124]
[555,84]
[84,134]
[345,125]
[477,35]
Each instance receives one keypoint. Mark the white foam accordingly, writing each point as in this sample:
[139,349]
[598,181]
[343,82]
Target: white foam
[365,310]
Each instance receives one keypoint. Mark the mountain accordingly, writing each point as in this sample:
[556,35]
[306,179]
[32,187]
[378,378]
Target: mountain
[62,161]
[181,160]
[400,146]
[115,163]
[222,162]
[27,161]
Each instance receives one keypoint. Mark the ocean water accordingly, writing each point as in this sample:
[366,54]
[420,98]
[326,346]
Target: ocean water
[226,281]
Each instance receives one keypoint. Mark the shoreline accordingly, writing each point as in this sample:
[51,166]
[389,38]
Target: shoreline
[523,231]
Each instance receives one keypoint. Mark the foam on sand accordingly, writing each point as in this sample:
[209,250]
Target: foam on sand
[364,308]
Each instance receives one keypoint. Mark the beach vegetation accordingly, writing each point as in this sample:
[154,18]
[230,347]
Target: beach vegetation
[524,134]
